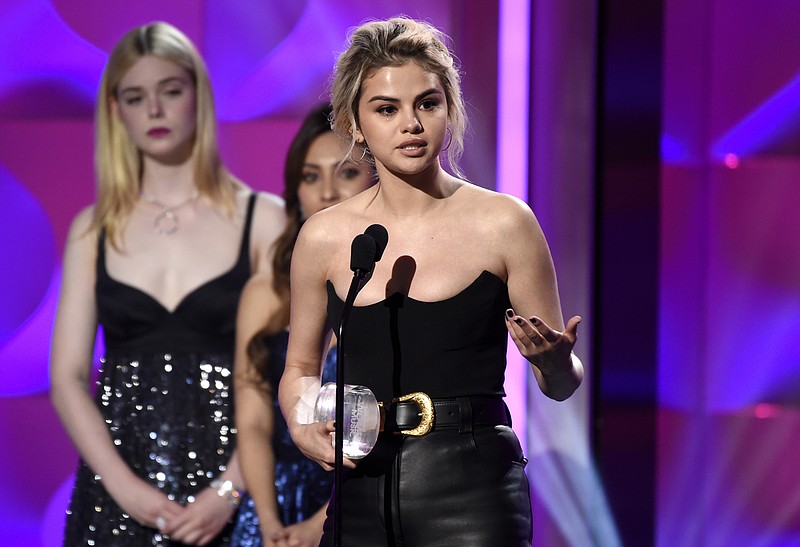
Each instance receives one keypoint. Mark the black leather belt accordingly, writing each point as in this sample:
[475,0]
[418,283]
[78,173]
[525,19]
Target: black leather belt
[408,417]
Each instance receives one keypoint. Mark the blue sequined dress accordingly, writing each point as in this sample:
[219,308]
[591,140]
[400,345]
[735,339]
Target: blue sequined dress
[301,485]
[164,392]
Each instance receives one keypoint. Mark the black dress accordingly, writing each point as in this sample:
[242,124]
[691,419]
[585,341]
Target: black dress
[164,391]
[463,485]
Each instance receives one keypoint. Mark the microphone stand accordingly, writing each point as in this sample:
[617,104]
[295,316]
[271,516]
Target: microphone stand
[355,286]
[366,250]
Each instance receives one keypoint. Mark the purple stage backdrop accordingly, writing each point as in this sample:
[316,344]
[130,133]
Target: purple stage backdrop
[269,62]
[729,363]
[729,313]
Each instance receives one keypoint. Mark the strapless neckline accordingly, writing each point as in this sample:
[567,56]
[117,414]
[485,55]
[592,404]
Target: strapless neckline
[485,274]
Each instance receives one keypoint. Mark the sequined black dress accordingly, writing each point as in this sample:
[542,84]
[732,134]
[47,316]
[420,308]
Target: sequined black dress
[301,485]
[165,392]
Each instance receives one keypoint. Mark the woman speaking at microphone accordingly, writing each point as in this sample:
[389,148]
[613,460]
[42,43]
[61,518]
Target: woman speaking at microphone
[463,267]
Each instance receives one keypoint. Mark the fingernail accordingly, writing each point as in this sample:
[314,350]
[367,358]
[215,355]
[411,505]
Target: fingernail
[509,313]
[535,320]
[518,320]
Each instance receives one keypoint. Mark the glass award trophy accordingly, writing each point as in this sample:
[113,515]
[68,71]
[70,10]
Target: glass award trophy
[362,417]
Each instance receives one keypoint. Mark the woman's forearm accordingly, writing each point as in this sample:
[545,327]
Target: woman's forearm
[257,461]
[89,434]
[297,395]
[563,384]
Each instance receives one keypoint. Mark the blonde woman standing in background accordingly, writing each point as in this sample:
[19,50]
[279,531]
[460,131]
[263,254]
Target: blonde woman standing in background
[159,262]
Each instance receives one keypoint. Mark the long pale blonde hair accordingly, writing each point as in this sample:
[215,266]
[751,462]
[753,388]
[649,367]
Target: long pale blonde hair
[118,163]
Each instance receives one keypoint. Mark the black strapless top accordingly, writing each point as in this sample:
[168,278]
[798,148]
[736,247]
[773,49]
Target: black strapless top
[204,320]
[449,348]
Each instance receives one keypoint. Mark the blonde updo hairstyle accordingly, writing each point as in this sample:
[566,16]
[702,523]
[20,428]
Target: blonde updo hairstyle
[395,42]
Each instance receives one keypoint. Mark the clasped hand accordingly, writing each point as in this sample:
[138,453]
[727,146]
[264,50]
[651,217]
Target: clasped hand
[196,523]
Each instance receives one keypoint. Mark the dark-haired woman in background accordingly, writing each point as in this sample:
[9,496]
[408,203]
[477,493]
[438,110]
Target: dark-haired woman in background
[287,493]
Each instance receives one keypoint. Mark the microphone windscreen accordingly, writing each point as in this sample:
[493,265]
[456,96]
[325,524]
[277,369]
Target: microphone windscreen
[381,237]
[362,253]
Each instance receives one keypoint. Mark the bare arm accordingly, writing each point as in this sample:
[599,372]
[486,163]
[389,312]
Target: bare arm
[70,367]
[536,323]
[309,336]
[254,411]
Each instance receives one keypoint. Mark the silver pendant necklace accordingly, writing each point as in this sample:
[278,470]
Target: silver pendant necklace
[167,222]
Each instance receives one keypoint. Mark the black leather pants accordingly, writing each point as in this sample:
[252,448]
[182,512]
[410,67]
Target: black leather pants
[452,487]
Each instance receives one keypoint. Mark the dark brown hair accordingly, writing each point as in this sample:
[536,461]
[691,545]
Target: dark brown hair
[316,123]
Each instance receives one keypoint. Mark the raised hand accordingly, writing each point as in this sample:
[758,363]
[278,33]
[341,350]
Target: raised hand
[549,351]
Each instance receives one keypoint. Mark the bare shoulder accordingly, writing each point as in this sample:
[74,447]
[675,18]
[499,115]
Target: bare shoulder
[80,253]
[83,219]
[257,286]
[269,209]
[269,201]
[336,223]
[264,200]
[323,227]
[269,216]
[258,304]
[503,212]
[81,229]
[325,238]
[258,295]
[506,202]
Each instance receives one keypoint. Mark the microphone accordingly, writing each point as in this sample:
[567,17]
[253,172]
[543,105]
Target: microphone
[381,237]
[365,251]
[362,254]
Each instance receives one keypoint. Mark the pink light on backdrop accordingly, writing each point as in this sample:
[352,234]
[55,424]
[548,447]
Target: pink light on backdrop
[773,125]
[512,161]
[570,507]
[512,98]
[729,356]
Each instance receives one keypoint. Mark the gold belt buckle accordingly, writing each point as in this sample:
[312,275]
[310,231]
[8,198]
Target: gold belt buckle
[425,405]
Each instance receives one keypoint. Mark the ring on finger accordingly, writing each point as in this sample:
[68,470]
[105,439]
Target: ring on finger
[161,522]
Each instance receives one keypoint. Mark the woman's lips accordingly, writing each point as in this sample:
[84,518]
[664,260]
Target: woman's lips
[413,148]
[158,132]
